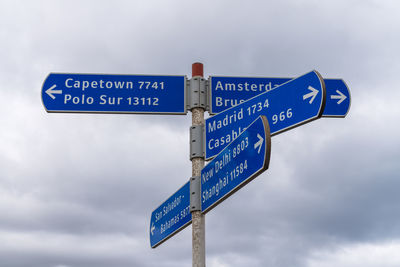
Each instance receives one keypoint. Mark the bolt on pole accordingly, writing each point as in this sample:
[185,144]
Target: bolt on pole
[198,220]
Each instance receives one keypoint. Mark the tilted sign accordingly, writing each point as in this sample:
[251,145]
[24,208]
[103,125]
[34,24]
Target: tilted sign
[171,216]
[291,104]
[105,93]
[240,162]
[226,92]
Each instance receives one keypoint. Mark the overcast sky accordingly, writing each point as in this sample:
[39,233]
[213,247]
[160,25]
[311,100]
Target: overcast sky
[77,190]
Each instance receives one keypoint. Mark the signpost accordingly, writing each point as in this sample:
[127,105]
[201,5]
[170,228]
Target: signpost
[226,92]
[289,105]
[240,162]
[250,111]
[105,93]
[171,216]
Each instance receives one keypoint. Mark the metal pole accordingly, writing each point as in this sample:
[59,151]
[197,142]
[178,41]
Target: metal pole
[198,220]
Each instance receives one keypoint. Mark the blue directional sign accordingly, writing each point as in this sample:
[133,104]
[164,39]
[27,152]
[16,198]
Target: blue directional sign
[170,217]
[104,93]
[240,162]
[337,98]
[291,104]
[227,92]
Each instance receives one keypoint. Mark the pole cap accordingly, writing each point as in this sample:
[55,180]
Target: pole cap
[197,69]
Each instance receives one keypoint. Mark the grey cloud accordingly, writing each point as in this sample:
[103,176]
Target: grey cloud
[78,189]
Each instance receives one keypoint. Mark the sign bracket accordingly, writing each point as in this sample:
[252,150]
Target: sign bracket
[195,203]
[196,141]
[197,93]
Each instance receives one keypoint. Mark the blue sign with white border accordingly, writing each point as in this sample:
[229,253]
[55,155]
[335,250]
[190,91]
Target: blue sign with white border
[226,92]
[241,161]
[107,93]
[170,217]
[289,105]
[338,98]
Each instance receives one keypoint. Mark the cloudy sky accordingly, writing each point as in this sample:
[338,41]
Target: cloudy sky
[77,190]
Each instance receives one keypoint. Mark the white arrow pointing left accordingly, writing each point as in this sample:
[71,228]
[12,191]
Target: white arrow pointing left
[51,92]
[259,143]
[152,229]
[311,95]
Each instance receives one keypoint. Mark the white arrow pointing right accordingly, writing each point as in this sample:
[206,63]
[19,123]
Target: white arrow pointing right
[50,92]
[259,143]
[311,95]
[340,96]
[152,229]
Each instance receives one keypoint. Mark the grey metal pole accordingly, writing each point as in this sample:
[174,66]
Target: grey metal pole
[198,220]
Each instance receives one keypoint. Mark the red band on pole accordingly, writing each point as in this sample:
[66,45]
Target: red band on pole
[197,69]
